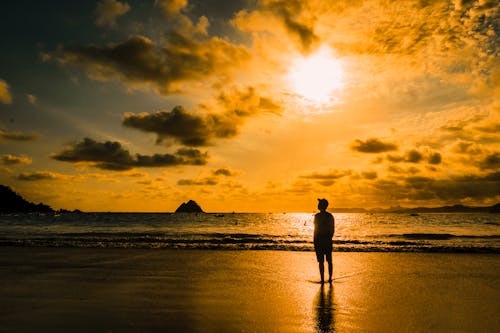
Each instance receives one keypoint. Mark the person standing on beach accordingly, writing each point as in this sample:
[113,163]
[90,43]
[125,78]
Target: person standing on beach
[324,228]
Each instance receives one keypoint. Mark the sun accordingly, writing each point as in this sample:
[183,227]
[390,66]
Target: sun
[317,76]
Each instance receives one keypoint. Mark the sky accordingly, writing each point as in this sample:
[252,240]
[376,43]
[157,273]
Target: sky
[250,105]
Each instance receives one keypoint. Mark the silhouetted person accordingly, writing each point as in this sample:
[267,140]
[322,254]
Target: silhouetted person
[324,228]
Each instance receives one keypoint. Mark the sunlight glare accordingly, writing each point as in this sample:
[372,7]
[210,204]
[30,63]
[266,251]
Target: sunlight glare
[317,76]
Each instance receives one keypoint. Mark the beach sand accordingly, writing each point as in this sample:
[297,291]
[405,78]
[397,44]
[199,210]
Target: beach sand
[145,290]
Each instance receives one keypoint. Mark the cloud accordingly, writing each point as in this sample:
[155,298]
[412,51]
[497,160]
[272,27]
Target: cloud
[17,136]
[5,96]
[224,172]
[451,189]
[415,156]
[198,182]
[9,159]
[32,99]
[373,145]
[111,155]
[295,18]
[107,12]
[434,158]
[411,156]
[369,175]
[40,175]
[193,129]
[491,161]
[326,178]
[187,54]
[490,128]
[171,7]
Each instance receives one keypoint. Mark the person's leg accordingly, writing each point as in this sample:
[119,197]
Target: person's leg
[320,256]
[330,266]
[330,271]
[322,271]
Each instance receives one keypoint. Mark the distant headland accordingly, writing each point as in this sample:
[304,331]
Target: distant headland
[189,207]
[11,202]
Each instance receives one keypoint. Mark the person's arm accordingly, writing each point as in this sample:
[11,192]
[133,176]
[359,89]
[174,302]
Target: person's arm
[333,226]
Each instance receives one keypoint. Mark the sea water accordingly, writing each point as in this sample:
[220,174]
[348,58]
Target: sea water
[432,232]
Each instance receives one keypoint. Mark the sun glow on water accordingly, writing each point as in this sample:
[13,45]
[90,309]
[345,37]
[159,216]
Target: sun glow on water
[316,77]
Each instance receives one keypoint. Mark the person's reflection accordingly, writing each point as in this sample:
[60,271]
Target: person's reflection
[324,310]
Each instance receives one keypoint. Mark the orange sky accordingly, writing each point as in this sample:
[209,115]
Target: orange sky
[255,106]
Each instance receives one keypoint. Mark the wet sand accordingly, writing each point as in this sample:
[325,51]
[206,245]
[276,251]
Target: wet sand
[126,290]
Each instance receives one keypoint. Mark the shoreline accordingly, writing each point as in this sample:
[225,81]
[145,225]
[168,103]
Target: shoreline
[336,248]
[130,290]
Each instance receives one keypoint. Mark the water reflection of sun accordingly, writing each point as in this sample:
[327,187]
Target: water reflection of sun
[316,77]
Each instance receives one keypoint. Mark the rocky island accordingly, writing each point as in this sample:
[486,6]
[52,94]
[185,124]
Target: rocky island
[189,207]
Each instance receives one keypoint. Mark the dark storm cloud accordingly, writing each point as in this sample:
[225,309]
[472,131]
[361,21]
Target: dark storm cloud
[373,145]
[186,55]
[16,136]
[111,155]
[193,129]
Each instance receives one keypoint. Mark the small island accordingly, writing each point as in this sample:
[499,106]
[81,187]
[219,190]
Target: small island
[189,207]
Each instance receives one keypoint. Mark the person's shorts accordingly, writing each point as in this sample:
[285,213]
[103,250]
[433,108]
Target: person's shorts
[323,251]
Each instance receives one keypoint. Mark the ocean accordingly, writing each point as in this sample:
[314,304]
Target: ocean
[354,232]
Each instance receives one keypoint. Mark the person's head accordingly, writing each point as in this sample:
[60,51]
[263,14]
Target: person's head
[322,204]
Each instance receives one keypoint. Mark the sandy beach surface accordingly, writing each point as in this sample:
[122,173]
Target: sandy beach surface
[145,290]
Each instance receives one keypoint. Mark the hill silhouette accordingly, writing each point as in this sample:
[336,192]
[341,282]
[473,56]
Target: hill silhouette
[11,202]
[189,207]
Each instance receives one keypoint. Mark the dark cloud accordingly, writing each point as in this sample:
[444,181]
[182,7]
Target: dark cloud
[188,54]
[456,188]
[434,158]
[411,156]
[192,129]
[198,182]
[477,187]
[38,175]
[107,11]
[16,136]
[373,145]
[369,175]
[330,175]
[171,7]
[491,128]
[293,14]
[224,172]
[326,178]
[492,161]
[9,159]
[112,156]
[415,156]
[398,170]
